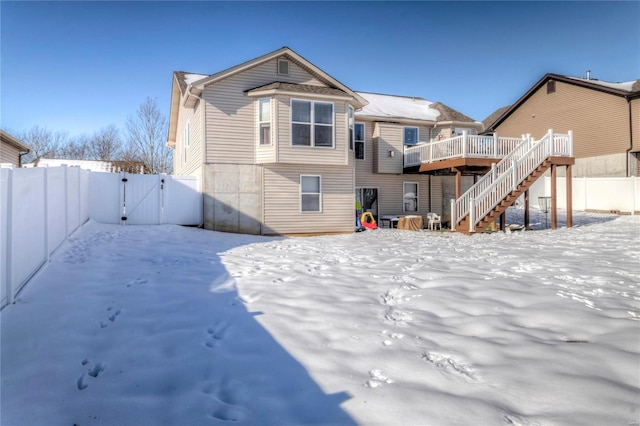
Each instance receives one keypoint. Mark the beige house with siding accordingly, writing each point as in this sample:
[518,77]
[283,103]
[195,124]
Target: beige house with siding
[382,129]
[11,149]
[281,147]
[604,117]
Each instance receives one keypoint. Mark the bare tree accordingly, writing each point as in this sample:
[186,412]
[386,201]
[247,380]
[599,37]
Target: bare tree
[76,148]
[105,144]
[43,142]
[147,131]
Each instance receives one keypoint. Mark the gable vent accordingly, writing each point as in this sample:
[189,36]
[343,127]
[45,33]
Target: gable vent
[283,67]
[551,86]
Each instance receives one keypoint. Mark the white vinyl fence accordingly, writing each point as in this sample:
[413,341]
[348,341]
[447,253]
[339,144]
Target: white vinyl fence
[41,207]
[601,194]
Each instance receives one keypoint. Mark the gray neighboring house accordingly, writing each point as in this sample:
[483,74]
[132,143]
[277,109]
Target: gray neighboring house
[12,149]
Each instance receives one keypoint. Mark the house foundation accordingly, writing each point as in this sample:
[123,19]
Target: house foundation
[232,198]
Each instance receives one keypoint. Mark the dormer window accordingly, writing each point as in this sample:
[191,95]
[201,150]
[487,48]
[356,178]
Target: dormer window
[283,67]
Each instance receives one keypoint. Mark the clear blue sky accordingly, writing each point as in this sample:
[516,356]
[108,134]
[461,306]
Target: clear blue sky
[80,66]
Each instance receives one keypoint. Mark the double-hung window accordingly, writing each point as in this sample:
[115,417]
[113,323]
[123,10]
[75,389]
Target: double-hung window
[312,123]
[410,199]
[264,121]
[359,140]
[310,193]
[410,135]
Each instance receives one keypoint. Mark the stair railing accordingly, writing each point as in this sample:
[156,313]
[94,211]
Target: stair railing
[505,183]
[460,208]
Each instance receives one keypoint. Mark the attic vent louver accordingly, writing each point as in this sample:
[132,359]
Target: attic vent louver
[283,67]
[551,87]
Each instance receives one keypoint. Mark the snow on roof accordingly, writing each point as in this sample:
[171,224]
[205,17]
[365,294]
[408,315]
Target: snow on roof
[391,106]
[627,85]
[191,78]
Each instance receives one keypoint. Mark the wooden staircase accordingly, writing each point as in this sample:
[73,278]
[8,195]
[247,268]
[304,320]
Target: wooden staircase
[507,202]
[499,189]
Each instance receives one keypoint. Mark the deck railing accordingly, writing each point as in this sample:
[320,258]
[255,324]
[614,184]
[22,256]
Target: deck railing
[464,146]
[505,176]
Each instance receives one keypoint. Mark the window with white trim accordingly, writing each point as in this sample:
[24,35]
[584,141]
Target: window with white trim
[359,140]
[264,121]
[310,193]
[350,128]
[312,123]
[410,135]
[410,197]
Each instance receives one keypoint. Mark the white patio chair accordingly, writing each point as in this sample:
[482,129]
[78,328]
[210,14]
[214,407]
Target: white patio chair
[434,219]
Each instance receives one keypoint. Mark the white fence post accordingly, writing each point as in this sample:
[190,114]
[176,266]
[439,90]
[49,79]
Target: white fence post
[453,214]
[66,201]
[570,143]
[495,145]
[514,164]
[551,142]
[46,215]
[472,214]
[633,197]
[9,236]
[465,136]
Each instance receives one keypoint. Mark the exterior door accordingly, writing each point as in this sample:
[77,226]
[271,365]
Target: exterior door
[367,201]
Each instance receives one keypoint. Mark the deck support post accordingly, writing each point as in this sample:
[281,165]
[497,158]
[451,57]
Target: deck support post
[554,196]
[526,209]
[503,221]
[569,182]
[458,183]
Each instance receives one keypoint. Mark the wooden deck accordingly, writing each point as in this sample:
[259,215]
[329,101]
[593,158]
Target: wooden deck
[470,166]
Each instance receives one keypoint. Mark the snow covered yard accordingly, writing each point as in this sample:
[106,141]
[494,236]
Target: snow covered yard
[163,325]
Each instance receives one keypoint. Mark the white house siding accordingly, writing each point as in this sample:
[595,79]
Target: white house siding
[390,139]
[230,113]
[189,166]
[390,186]
[312,155]
[9,154]
[281,197]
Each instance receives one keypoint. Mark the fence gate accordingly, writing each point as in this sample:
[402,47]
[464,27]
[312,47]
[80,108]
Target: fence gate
[135,199]
[142,199]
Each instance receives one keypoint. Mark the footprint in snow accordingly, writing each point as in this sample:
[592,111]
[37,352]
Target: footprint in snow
[378,378]
[216,334]
[93,372]
[449,364]
[138,281]
[227,396]
[113,314]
